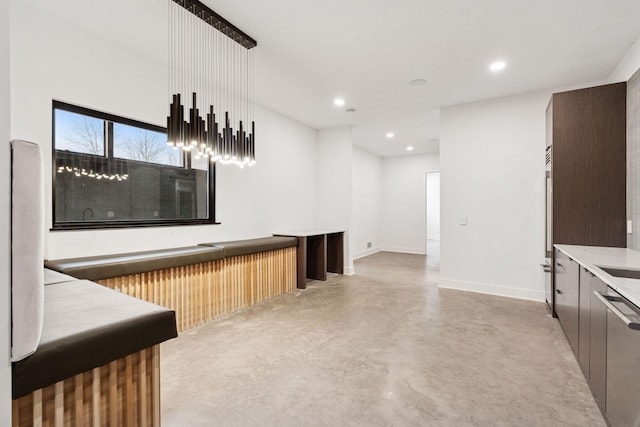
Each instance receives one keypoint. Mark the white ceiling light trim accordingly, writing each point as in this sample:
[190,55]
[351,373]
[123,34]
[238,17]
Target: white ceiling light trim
[339,102]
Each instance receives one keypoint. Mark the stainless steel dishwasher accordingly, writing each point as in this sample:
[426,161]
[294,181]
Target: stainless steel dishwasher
[623,359]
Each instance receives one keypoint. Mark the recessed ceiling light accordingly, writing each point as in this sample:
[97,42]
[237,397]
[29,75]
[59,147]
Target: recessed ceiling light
[410,148]
[497,66]
[390,135]
[418,82]
[339,102]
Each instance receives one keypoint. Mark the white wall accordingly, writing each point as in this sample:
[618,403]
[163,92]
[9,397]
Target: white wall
[334,189]
[492,173]
[280,186]
[5,210]
[403,202]
[55,59]
[367,202]
[433,205]
[627,66]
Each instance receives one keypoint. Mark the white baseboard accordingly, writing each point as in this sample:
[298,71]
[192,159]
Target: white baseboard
[349,270]
[492,289]
[415,251]
[366,252]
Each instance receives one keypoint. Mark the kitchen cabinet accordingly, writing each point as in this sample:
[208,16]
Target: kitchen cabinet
[592,335]
[608,324]
[598,343]
[588,136]
[623,350]
[567,290]
[586,171]
[584,318]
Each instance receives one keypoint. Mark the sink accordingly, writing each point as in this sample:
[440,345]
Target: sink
[622,272]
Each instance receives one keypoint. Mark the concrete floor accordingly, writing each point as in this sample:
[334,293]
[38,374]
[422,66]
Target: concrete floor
[384,347]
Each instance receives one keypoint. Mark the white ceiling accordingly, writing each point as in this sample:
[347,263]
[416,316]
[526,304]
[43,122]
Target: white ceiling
[367,51]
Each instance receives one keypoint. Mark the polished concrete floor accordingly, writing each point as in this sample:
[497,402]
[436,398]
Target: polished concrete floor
[384,347]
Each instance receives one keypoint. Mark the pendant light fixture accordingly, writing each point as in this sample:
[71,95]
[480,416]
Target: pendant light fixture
[210,65]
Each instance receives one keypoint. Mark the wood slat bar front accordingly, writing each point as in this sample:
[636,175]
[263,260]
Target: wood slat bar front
[125,392]
[202,292]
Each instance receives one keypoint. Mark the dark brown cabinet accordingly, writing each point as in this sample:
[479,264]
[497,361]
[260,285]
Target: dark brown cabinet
[584,319]
[587,128]
[623,348]
[598,344]
[567,281]
[586,182]
[586,205]
[603,330]
[592,335]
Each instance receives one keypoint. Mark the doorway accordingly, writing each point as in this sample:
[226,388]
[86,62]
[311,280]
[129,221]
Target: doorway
[432,226]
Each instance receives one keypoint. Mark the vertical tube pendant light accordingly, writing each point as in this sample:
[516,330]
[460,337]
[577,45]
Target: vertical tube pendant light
[210,63]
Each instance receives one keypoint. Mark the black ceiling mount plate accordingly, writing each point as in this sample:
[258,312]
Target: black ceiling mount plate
[203,12]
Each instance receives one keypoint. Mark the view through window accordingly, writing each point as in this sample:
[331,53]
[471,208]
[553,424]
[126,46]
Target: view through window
[115,172]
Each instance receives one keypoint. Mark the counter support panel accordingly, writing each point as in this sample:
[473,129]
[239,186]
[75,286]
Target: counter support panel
[335,252]
[319,252]
[317,257]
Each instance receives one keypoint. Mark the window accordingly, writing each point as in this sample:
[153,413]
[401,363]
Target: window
[79,133]
[143,145]
[110,171]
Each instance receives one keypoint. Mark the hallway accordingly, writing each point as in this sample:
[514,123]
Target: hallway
[382,347]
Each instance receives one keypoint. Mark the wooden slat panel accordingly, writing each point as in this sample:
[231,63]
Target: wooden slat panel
[202,292]
[129,391]
[95,391]
[123,392]
[15,412]
[59,404]
[78,397]
[143,388]
[113,393]
[37,408]
[155,390]
[48,406]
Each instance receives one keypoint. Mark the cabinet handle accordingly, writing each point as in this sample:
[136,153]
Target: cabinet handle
[606,300]
[546,267]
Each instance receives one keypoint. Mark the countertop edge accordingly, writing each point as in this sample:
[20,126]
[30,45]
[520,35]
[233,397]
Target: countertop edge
[620,285]
[309,233]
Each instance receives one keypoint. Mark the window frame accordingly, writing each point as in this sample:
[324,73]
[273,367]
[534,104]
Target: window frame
[109,119]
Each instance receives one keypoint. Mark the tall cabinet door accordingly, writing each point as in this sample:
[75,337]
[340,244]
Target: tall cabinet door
[589,166]
[584,319]
[598,344]
[567,289]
